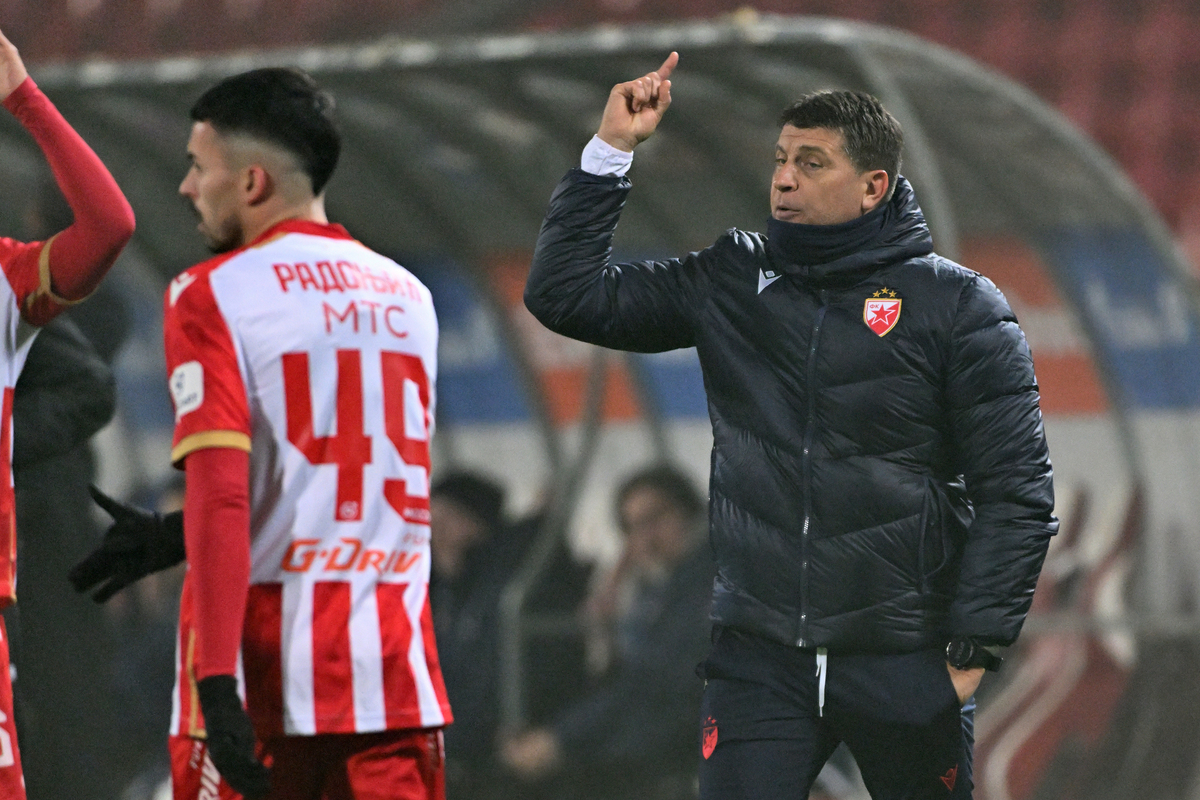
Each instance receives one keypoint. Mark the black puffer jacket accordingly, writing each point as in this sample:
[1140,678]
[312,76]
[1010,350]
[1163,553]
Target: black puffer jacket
[869,493]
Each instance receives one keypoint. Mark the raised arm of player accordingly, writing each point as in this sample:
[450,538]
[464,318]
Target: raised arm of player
[635,107]
[79,256]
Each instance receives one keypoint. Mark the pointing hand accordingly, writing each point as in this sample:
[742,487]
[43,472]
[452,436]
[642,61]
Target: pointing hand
[635,108]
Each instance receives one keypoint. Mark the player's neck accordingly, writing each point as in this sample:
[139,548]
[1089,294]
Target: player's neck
[262,219]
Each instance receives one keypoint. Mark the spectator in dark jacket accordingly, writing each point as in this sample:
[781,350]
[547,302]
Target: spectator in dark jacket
[880,497]
[475,552]
[634,736]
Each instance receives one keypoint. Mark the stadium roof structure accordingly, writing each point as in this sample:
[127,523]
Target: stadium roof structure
[453,146]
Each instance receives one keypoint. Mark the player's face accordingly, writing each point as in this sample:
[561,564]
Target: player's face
[211,185]
[815,183]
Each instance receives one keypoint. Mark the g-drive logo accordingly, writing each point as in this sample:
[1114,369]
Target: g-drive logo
[187,388]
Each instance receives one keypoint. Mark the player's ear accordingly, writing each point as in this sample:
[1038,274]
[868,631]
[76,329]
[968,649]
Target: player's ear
[257,184]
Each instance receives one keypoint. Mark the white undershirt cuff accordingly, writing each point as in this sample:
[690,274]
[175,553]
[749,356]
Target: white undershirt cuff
[601,158]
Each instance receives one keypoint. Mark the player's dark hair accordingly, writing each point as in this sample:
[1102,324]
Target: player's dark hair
[282,106]
[873,137]
[668,481]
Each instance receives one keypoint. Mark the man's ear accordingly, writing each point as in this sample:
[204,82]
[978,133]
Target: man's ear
[258,185]
[875,189]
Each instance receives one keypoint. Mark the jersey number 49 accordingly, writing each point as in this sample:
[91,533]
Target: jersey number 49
[405,420]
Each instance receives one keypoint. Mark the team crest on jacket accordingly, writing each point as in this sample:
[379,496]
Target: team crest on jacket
[709,742]
[881,312]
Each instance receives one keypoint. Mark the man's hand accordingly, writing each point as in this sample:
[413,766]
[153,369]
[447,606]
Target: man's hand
[965,681]
[231,737]
[138,542]
[635,108]
[12,69]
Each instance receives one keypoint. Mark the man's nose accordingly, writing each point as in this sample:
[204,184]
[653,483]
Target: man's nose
[784,179]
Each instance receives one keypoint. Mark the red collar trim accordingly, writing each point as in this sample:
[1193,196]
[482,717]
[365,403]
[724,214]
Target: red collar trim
[329,230]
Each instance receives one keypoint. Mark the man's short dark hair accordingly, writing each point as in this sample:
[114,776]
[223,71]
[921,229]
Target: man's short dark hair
[282,106]
[671,483]
[873,137]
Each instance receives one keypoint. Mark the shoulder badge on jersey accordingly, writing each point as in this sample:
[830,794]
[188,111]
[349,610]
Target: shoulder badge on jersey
[187,388]
[881,311]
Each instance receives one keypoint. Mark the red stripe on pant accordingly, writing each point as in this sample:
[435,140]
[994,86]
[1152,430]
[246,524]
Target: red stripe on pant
[333,670]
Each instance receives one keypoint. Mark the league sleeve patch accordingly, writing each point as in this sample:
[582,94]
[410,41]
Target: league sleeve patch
[187,388]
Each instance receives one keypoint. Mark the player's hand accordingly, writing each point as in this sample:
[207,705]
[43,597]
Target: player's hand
[635,108]
[231,737]
[965,681]
[12,68]
[138,542]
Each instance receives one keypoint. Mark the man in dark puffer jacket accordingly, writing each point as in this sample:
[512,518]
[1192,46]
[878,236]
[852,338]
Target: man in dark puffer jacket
[880,497]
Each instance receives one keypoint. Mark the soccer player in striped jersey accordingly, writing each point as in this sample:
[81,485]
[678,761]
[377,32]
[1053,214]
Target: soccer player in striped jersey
[37,281]
[301,366]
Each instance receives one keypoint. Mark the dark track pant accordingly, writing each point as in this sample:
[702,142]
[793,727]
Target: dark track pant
[764,737]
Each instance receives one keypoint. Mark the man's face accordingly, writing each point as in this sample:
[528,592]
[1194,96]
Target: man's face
[815,183]
[211,185]
[657,533]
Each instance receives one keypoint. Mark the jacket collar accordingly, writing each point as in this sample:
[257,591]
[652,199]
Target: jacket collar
[853,249]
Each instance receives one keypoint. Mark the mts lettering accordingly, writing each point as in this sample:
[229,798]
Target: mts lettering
[367,316]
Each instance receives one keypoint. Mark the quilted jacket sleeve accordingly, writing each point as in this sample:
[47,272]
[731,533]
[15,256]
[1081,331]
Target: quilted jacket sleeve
[1002,455]
[575,290]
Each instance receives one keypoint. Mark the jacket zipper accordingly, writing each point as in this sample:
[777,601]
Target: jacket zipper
[810,370]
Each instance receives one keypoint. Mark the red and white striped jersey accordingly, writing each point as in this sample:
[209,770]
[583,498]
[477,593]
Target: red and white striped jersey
[25,301]
[319,357]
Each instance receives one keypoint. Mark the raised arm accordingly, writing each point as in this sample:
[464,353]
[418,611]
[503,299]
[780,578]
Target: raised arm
[79,256]
[573,288]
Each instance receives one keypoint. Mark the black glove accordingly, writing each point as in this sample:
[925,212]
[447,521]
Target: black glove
[231,737]
[138,543]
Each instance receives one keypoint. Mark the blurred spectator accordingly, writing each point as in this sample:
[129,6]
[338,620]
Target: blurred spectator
[634,736]
[65,709]
[143,618]
[464,587]
[476,551]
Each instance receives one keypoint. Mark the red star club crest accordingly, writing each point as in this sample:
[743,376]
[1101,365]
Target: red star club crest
[882,311]
[710,737]
[950,777]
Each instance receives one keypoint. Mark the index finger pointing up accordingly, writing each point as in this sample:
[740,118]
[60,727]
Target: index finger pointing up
[668,66]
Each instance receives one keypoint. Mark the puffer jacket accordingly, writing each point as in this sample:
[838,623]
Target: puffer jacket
[880,478]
